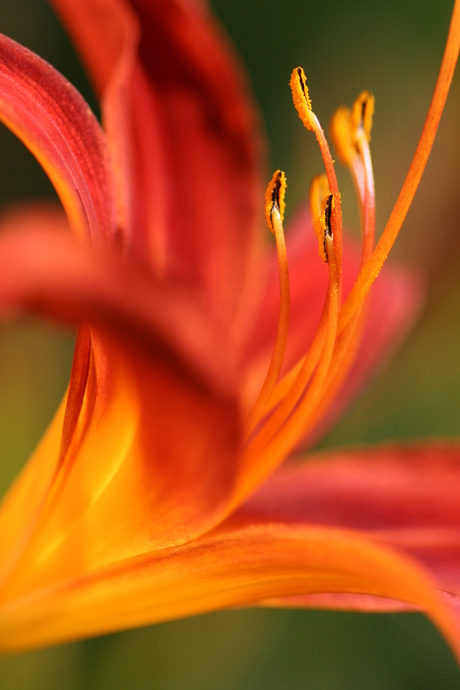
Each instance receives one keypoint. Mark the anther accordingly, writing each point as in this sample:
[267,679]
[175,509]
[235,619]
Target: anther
[274,198]
[327,215]
[339,129]
[361,116]
[301,97]
[321,205]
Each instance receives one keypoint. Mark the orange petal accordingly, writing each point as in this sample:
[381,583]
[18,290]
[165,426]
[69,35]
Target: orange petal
[236,568]
[55,123]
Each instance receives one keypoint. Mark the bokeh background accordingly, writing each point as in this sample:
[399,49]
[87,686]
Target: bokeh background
[393,48]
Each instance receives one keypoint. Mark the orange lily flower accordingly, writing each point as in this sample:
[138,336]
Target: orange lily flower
[156,492]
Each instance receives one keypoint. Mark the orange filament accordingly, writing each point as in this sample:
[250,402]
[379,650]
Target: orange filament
[274,211]
[266,449]
[292,386]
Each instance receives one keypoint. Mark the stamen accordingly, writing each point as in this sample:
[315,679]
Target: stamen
[328,225]
[361,116]
[274,198]
[301,97]
[298,401]
[339,129]
[346,346]
[359,123]
[372,268]
[274,213]
[302,103]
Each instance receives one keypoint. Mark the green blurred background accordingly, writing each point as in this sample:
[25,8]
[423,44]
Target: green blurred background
[394,49]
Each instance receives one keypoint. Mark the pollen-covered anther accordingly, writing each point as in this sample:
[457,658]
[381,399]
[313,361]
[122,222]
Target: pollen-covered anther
[274,198]
[301,97]
[361,117]
[340,131]
[327,207]
[321,205]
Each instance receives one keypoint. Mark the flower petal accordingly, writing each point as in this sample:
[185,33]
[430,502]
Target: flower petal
[394,304]
[47,272]
[129,483]
[102,30]
[234,568]
[55,123]
[405,497]
[121,461]
[106,34]
[185,140]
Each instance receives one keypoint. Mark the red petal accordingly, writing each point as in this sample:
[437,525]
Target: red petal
[394,304]
[407,498]
[104,31]
[185,140]
[55,123]
[48,272]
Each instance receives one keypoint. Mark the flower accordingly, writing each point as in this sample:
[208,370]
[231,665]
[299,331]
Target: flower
[149,497]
